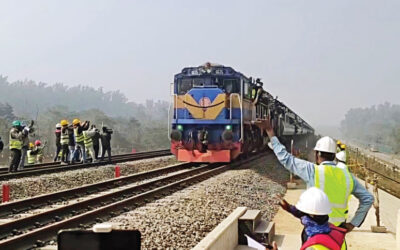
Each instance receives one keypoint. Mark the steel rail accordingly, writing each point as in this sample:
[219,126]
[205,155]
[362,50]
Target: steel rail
[37,237]
[56,214]
[60,167]
[45,164]
[19,206]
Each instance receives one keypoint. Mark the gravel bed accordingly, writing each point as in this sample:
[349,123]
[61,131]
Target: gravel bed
[181,220]
[49,183]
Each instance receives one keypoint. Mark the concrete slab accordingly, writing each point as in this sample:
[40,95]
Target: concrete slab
[288,228]
[52,247]
[251,215]
[243,247]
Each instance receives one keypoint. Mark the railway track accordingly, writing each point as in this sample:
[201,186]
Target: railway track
[386,183]
[53,167]
[45,164]
[102,201]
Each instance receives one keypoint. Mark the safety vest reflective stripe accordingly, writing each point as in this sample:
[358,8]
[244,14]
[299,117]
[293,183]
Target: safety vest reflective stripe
[15,144]
[322,247]
[64,138]
[40,151]
[31,158]
[317,247]
[87,140]
[337,183]
[78,137]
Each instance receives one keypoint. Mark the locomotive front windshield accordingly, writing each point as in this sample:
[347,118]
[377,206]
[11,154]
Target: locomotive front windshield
[227,84]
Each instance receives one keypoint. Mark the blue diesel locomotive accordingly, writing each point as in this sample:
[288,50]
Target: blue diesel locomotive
[213,113]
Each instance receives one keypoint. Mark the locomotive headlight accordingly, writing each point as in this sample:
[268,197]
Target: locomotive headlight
[228,127]
[179,127]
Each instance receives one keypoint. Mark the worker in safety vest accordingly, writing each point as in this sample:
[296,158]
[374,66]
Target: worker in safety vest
[40,148]
[88,135]
[65,132]
[15,142]
[341,159]
[96,141]
[312,209]
[338,145]
[31,154]
[26,130]
[106,142]
[338,183]
[79,138]
[57,133]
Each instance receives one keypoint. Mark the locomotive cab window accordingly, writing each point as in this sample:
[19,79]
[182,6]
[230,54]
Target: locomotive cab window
[201,82]
[184,86]
[246,89]
[231,86]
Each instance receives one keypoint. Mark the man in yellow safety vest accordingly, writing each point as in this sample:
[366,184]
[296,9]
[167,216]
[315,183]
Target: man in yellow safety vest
[15,141]
[88,140]
[31,154]
[79,128]
[337,182]
[65,131]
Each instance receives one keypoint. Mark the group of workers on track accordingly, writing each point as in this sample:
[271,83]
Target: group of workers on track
[73,144]
[76,141]
[323,207]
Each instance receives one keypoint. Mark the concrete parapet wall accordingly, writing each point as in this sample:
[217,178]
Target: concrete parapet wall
[225,235]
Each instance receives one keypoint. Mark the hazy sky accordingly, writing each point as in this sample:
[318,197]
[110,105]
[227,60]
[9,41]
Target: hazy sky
[320,57]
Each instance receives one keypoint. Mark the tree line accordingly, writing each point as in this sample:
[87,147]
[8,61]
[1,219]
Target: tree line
[378,126]
[136,126]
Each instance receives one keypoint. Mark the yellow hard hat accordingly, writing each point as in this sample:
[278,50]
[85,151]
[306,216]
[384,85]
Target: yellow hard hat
[31,145]
[76,121]
[64,122]
[343,146]
[339,142]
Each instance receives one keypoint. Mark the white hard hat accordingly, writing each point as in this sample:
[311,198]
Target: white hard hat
[315,202]
[326,144]
[341,156]
[58,125]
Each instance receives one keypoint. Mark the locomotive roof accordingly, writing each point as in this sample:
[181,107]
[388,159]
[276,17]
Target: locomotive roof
[212,69]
